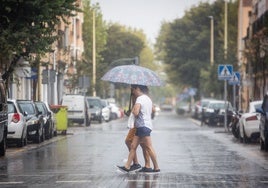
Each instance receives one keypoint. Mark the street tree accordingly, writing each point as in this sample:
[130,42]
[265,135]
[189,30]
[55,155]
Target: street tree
[28,28]
[85,67]
[184,46]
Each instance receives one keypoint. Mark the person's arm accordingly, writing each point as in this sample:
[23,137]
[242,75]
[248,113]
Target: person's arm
[136,109]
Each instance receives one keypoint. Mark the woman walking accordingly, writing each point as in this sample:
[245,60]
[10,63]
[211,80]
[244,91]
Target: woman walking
[142,111]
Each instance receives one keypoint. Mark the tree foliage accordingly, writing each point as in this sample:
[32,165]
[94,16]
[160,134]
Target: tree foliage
[85,67]
[29,26]
[184,46]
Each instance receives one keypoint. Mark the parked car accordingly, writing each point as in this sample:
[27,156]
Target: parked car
[115,111]
[106,110]
[249,123]
[47,118]
[263,110]
[95,108]
[53,117]
[17,128]
[34,121]
[201,105]
[182,108]
[77,111]
[3,118]
[215,111]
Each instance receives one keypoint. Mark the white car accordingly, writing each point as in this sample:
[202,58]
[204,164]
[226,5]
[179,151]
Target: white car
[249,123]
[115,111]
[17,128]
[106,110]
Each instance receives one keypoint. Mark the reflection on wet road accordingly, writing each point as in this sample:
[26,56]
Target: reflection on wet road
[188,155]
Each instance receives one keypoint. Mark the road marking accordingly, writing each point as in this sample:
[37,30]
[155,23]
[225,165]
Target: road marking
[74,181]
[11,182]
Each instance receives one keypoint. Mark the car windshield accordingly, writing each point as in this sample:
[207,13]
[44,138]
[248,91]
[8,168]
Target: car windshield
[27,107]
[11,108]
[94,102]
[219,106]
[256,106]
[204,103]
[40,108]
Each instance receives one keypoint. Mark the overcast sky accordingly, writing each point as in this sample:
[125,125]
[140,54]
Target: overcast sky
[145,14]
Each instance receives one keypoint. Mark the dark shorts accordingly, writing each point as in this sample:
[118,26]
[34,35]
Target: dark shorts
[143,131]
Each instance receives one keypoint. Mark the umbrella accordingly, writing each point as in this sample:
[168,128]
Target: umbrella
[133,74]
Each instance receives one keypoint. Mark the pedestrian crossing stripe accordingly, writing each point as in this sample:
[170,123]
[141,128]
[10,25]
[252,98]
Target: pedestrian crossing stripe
[225,72]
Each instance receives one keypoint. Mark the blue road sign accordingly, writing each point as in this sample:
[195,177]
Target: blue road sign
[235,80]
[225,72]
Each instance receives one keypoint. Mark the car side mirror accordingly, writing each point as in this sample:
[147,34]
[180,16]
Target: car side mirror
[25,113]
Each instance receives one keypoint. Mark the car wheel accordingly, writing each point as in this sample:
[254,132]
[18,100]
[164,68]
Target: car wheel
[38,137]
[245,138]
[43,134]
[88,121]
[240,137]
[20,142]
[100,119]
[261,144]
[3,147]
[265,145]
[25,141]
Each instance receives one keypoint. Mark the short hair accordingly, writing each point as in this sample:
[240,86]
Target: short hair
[143,88]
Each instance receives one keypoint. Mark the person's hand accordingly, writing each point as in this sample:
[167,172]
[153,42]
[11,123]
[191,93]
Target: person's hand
[127,113]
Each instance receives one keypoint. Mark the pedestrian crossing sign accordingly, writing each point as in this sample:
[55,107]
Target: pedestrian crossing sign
[225,72]
[235,80]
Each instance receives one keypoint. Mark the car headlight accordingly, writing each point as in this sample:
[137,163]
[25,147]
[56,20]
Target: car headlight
[32,122]
[98,112]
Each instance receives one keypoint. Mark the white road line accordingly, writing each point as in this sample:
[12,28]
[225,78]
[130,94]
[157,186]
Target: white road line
[11,182]
[74,181]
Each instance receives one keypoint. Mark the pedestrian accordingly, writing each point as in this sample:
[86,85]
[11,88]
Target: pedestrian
[142,111]
[129,138]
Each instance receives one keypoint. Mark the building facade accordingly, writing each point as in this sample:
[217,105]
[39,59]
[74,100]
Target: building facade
[54,77]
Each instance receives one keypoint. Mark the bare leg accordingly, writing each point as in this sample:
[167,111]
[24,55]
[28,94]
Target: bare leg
[149,148]
[132,151]
[135,160]
[146,156]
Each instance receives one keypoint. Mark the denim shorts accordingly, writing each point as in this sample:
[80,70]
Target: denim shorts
[143,131]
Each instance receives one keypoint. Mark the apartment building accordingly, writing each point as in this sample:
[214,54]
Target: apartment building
[54,77]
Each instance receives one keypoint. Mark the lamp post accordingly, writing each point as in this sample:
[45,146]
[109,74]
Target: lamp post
[94,55]
[211,40]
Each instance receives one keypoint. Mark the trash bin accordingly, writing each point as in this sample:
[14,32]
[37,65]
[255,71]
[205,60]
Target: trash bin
[61,117]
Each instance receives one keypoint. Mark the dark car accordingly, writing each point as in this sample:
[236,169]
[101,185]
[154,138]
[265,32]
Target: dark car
[47,118]
[95,108]
[263,124]
[34,121]
[3,118]
[215,112]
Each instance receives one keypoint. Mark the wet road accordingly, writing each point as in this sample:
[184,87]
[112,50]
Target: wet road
[188,155]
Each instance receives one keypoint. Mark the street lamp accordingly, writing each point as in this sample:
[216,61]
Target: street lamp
[211,40]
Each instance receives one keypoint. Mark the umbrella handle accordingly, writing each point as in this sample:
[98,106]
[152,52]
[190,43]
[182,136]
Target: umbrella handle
[127,113]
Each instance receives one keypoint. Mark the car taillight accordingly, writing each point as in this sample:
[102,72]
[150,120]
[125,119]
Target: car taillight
[251,118]
[16,118]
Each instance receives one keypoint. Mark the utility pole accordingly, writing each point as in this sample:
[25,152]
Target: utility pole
[211,40]
[94,56]
[225,59]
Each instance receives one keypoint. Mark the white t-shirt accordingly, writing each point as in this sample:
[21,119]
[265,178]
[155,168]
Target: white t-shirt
[144,116]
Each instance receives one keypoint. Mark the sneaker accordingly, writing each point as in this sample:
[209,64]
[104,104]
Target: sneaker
[156,171]
[146,170]
[123,169]
[135,167]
